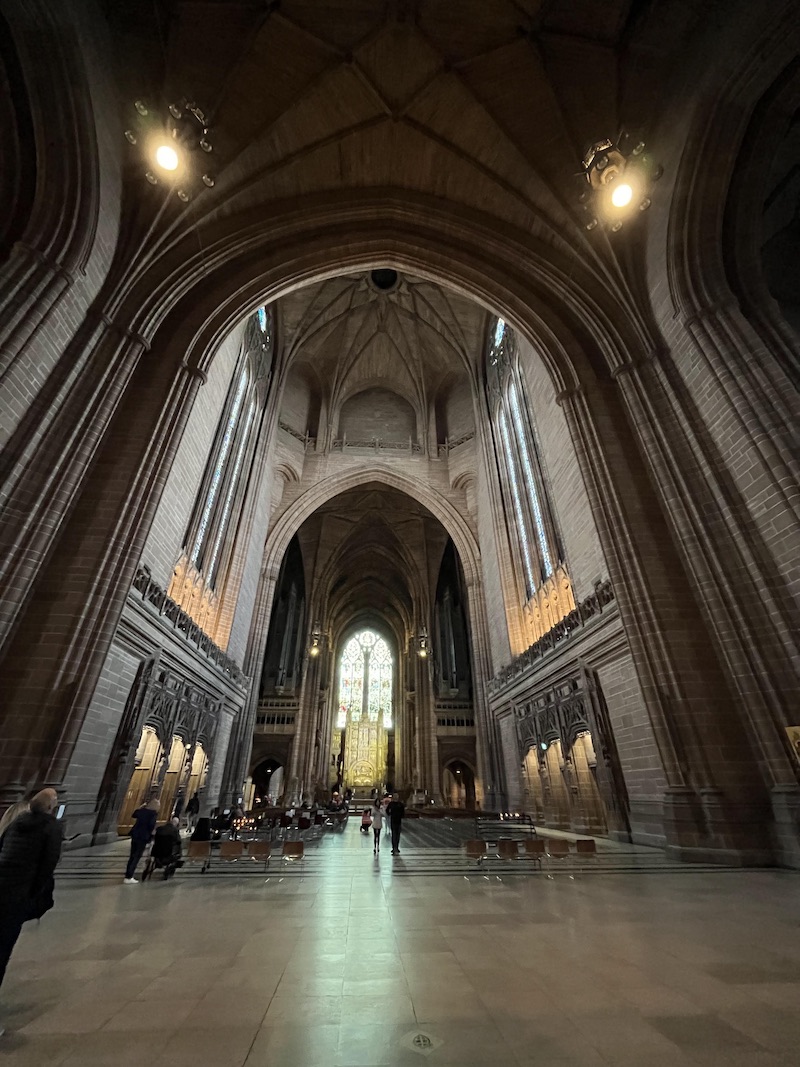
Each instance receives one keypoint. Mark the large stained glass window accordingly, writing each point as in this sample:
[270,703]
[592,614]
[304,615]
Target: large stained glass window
[365,681]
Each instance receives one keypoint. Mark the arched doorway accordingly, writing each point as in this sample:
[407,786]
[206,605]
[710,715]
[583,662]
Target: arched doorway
[458,785]
[268,779]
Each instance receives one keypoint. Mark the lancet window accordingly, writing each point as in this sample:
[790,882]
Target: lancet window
[365,681]
[210,530]
[524,490]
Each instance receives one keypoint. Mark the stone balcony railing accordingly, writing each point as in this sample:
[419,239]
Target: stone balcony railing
[588,609]
[174,615]
[376,444]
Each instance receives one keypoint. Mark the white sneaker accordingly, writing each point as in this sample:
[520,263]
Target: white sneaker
[130,881]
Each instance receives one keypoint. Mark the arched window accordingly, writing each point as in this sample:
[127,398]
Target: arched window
[365,681]
[522,478]
[209,532]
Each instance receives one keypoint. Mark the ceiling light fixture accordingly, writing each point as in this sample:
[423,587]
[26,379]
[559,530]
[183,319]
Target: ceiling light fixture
[619,174]
[170,139]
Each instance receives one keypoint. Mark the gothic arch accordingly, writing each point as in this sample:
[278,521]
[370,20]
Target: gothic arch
[580,320]
[700,158]
[312,499]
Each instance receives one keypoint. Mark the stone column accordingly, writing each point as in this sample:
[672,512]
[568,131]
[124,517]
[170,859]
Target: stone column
[490,786]
[711,807]
[241,744]
[213,795]
[732,480]
[52,663]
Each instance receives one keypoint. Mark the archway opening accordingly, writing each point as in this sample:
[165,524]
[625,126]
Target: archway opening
[458,785]
[267,782]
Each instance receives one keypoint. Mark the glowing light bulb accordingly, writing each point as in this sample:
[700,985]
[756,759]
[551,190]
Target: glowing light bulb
[167,157]
[622,195]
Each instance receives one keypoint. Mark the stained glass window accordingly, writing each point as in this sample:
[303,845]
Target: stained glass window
[524,487]
[523,449]
[516,499]
[497,342]
[210,534]
[219,466]
[365,680]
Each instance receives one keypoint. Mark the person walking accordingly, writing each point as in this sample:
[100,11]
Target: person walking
[377,825]
[192,811]
[396,811]
[141,833]
[30,848]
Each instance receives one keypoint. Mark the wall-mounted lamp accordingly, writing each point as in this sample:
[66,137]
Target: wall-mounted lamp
[315,644]
[168,141]
[620,175]
[423,644]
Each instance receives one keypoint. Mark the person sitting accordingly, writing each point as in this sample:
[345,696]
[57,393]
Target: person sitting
[166,850]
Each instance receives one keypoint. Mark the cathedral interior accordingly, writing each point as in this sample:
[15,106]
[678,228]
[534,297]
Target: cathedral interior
[401,396]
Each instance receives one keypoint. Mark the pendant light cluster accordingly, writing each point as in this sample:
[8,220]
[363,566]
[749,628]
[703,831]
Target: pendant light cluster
[620,175]
[175,145]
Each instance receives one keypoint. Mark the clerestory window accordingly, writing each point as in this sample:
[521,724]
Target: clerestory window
[216,510]
[524,491]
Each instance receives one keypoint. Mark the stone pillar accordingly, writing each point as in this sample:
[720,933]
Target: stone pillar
[711,807]
[241,744]
[213,795]
[732,483]
[49,456]
[490,785]
[52,662]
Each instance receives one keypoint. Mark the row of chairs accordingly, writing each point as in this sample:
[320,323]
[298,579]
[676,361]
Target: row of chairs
[536,849]
[233,851]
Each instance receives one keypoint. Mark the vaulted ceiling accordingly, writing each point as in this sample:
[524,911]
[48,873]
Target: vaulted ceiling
[486,103]
[372,552]
[406,333]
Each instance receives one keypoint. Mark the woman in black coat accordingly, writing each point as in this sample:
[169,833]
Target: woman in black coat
[141,834]
[29,851]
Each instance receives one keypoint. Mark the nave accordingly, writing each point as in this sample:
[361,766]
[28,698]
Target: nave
[352,961]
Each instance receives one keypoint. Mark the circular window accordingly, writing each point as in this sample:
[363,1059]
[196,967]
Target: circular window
[384,279]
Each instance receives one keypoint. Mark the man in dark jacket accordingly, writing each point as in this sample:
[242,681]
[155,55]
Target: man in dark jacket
[396,810]
[141,834]
[29,851]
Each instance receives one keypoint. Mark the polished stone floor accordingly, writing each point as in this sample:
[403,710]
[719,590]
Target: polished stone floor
[348,960]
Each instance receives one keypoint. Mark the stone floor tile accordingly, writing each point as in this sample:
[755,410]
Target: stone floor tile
[310,1044]
[321,1011]
[218,1047]
[105,1048]
[40,1050]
